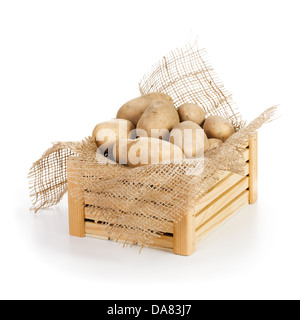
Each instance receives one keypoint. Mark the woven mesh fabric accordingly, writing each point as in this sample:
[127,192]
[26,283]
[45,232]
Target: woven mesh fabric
[187,76]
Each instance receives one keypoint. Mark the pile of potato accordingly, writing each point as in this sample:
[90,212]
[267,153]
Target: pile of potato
[150,130]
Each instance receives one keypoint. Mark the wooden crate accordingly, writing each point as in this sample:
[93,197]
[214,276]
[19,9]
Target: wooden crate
[231,193]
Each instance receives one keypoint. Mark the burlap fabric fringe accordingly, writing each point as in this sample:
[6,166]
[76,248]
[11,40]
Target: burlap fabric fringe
[137,203]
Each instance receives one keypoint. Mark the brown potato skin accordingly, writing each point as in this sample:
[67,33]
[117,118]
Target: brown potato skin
[213,141]
[134,109]
[142,148]
[114,126]
[191,112]
[218,127]
[190,147]
[160,115]
[120,150]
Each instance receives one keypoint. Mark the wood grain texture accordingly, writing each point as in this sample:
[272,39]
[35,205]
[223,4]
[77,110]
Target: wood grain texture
[222,215]
[226,180]
[230,192]
[97,230]
[222,186]
[253,170]
[184,235]
[76,207]
[166,227]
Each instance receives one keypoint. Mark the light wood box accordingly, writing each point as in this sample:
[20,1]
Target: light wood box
[230,194]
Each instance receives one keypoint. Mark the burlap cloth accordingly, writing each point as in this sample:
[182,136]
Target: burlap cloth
[136,202]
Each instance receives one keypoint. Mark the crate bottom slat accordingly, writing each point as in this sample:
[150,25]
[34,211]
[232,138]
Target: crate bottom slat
[167,226]
[151,246]
[96,230]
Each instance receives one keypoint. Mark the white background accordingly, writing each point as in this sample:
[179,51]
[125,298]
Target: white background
[67,65]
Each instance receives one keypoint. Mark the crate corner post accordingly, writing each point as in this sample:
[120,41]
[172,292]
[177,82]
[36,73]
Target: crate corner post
[253,169]
[184,235]
[75,207]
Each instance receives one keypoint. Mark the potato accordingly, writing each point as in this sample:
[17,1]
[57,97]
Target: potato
[218,128]
[191,138]
[133,109]
[191,112]
[216,142]
[157,121]
[106,133]
[144,151]
[120,150]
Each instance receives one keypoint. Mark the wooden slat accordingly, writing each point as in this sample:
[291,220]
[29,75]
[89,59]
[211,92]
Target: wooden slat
[97,236]
[230,180]
[167,226]
[93,199]
[221,201]
[253,192]
[76,207]
[184,235]
[100,230]
[220,216]
[166,247]
[226,180]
